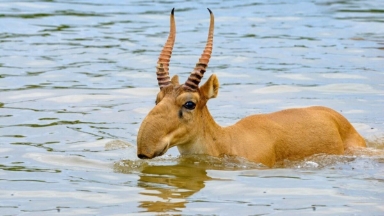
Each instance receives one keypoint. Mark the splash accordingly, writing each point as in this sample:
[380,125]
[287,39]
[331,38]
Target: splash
[357,159]
[201,161]
[364,158]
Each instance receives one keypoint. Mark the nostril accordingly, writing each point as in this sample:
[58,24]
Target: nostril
[142,156]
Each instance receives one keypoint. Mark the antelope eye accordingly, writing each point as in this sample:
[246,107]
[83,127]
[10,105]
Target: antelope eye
[189,105]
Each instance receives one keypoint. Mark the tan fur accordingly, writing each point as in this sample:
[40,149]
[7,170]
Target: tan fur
[265,138]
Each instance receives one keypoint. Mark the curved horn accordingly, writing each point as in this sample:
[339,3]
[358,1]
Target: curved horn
[198,72]
[165,55]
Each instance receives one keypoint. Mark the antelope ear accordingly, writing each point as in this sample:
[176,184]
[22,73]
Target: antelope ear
[210,89]
[175,80]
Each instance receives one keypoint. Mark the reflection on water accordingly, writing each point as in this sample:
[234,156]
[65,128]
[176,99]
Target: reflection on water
[78,77]
[172,184]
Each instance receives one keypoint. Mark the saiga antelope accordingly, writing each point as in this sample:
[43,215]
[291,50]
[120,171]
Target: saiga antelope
[181,118]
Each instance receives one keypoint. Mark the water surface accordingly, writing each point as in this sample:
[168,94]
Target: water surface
[78,77]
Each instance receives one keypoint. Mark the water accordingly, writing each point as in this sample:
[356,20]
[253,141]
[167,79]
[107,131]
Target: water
[78,77]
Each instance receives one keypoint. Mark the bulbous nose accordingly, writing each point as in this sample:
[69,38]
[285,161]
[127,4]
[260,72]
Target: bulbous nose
[143,156]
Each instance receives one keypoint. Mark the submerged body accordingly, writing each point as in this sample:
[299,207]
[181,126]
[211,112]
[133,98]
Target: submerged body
[181,118]
[287,134]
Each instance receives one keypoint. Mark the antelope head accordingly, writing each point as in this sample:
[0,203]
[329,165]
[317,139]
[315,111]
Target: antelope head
[180,111]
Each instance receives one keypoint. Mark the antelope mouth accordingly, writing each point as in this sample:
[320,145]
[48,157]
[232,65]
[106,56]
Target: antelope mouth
[165,149]
[156,154]
[143,156]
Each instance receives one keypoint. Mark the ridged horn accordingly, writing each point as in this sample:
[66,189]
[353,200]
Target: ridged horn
[198,72]
[165,55]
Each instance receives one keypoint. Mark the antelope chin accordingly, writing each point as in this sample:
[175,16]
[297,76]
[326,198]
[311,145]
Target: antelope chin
[161,151]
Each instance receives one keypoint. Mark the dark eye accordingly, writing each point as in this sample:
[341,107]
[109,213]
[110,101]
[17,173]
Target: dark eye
[189,105]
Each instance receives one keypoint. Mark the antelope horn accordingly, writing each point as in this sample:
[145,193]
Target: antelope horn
[165,55]
[198,72]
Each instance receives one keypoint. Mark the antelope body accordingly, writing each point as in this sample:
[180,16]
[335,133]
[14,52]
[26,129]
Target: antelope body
[181,118]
